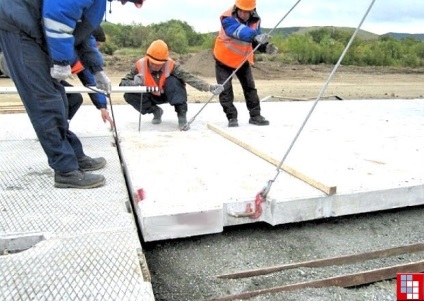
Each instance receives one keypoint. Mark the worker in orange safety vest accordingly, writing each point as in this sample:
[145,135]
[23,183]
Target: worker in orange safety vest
[157,69]
[240,33]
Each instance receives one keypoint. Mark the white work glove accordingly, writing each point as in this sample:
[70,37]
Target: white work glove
[103,82]
[216,89]
[262,38]
[60,72]
[271,48]
[138,80]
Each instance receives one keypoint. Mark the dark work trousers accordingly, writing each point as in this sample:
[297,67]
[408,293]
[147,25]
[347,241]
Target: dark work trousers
[44,99]
[75,101]
[226,98]
[175,94]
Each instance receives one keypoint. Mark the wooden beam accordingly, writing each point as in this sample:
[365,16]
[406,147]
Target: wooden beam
[12,109]
[306,99]
[329,190]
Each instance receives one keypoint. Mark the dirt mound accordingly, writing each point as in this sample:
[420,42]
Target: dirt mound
[201,63]
[265,67]
[120,64]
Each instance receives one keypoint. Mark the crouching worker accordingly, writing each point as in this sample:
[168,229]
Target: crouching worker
[157,69]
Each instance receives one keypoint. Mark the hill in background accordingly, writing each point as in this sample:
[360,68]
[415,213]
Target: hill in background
[400,36]
[362,34]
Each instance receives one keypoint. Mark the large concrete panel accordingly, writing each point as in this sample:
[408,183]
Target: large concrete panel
[194,182]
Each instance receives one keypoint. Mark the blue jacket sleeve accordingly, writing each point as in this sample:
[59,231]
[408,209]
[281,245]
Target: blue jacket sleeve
[90,55]
[67,23]
[237,30]
[87,79]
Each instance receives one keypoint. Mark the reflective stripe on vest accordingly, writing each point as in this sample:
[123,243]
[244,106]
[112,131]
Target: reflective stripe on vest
[230,51]
[143,69]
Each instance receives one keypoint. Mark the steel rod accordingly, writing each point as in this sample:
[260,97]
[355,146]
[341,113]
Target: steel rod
[82,89]
[349,280]
[340,260]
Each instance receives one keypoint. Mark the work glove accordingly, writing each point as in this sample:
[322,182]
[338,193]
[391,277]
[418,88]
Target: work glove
[216,89]
[271,48]
[262,38]
[103,82]
[60,72]
[138,80]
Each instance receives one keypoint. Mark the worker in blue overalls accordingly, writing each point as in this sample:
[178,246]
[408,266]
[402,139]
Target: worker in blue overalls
[39,40]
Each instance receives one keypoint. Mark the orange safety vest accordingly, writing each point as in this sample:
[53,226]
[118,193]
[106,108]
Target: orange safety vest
[231,51]
[77,67]
[143,69]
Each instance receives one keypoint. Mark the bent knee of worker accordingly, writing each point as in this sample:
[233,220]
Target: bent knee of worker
[132,98]
[75,100]
[175,91]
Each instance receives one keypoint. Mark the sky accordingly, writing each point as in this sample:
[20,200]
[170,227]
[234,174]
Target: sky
[404,16]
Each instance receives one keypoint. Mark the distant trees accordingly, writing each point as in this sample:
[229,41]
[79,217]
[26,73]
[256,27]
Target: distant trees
[320,46]
[324,46]
[179,36]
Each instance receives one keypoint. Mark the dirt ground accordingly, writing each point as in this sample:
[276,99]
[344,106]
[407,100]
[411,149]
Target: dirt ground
[283,82]
[286,82]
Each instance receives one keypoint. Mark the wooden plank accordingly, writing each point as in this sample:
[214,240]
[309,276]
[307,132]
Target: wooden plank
[349,280]
[329,190]
[340,260]
[306,99]
[4,103]
[12,109]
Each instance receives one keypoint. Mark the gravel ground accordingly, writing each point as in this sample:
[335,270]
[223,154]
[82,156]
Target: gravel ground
[186,269]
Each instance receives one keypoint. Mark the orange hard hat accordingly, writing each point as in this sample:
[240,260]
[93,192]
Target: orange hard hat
[247,5]
[158,52]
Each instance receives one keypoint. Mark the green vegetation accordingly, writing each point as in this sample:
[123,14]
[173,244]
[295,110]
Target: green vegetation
[312,45]
[179,36]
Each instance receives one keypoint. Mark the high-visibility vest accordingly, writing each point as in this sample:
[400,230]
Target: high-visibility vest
[143,69]
[230,51]
[77,67]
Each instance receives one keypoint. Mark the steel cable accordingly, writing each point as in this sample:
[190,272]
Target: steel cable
[266,189]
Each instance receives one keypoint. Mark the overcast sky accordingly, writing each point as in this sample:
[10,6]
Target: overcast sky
[385,15]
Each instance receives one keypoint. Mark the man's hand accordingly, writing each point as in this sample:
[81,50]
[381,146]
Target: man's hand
[103,82]
[262,38]
[271,48]
[216,89]
[106,117]
[60,72]
[138,80]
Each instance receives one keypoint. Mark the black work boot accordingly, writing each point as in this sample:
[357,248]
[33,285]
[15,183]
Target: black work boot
[78,179]
[157,115]
[232,123]
[87,163]
[181,110]
[258,120]
[182,119]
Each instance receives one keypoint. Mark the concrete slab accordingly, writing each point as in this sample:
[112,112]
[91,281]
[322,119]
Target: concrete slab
[371,150]
[194,181]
